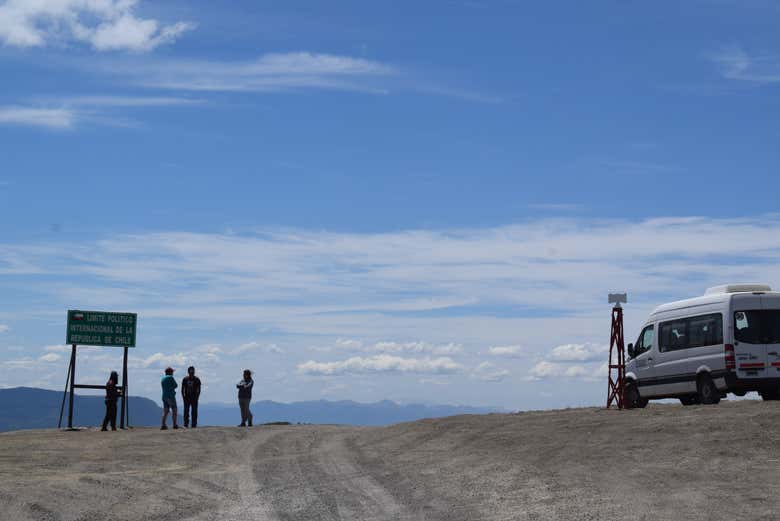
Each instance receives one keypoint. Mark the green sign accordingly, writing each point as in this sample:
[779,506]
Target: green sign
[99,328]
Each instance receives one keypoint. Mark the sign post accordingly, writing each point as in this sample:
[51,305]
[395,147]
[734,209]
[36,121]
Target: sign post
[124,393]
[99,328]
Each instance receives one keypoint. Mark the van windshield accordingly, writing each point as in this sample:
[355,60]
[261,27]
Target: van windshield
[757,326]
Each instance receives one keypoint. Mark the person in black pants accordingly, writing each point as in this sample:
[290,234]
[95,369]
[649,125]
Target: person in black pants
[112,394]
[245,397]
[190,392]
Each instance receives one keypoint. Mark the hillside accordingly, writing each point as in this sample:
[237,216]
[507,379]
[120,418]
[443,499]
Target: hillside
[664,462]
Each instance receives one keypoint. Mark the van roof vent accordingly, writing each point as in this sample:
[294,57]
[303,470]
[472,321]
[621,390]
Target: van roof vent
[738,288]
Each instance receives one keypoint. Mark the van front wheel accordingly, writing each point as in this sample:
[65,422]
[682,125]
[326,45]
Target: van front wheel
[633,399]
[706,390]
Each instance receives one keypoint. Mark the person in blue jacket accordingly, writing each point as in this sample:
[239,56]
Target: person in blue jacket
[169,386]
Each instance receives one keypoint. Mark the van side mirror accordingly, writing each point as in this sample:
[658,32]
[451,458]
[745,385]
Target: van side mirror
[631,350]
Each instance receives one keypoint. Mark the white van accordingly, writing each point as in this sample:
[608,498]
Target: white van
[699,349]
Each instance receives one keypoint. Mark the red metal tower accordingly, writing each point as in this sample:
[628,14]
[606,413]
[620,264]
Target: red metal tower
[617,362]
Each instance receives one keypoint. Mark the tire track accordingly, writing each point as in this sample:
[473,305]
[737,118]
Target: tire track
[311,474]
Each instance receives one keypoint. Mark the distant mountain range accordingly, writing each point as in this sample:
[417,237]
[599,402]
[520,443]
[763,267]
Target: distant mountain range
[29,408]
[342,412]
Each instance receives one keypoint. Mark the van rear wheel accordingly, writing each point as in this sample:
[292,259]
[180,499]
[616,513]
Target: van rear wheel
[770,395]
[707,392]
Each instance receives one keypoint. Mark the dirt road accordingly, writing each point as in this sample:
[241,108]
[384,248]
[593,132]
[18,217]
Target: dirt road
[661,463]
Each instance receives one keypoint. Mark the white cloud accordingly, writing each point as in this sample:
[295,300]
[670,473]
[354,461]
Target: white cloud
[53,118]
[381,364]
[506,351]
[209,353]
[391,347]
[50,357]
[273,348]
[487,372]
[545,369]
[65,113]
[588,371]
[733,60]
[268,73]
[737,64]
[24,363]
[127,101]
[342,284]
[577,371]
[162,360]
[318,287]
[349,344]
[57,349]
[579,352]
[104,24]
[249,346]
[257,346]
[585,361]
[4,328]
[129,32]
[414,347]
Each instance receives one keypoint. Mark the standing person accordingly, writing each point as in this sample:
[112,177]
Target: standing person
[169,386]
[111,397]
[244,397]
[190,392]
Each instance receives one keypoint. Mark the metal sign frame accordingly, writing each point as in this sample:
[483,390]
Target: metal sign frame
[616,379]
[116,327]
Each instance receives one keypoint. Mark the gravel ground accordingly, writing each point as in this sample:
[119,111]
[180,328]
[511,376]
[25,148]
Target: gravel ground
[665,462]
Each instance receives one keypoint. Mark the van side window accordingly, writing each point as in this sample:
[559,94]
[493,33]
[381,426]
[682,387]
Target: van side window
[645,340]
[747,327]
[706,330]
[674,335]
[703,330]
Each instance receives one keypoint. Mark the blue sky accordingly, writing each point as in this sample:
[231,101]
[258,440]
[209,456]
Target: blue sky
[373,200]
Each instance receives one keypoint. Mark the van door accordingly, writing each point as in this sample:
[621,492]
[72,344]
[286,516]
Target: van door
[749,348]
[645,369]
[770,330]
[679,357]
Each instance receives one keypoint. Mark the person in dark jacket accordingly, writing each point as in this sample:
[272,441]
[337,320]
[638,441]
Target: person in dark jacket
[190,392]
[112,394]
[244,397]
